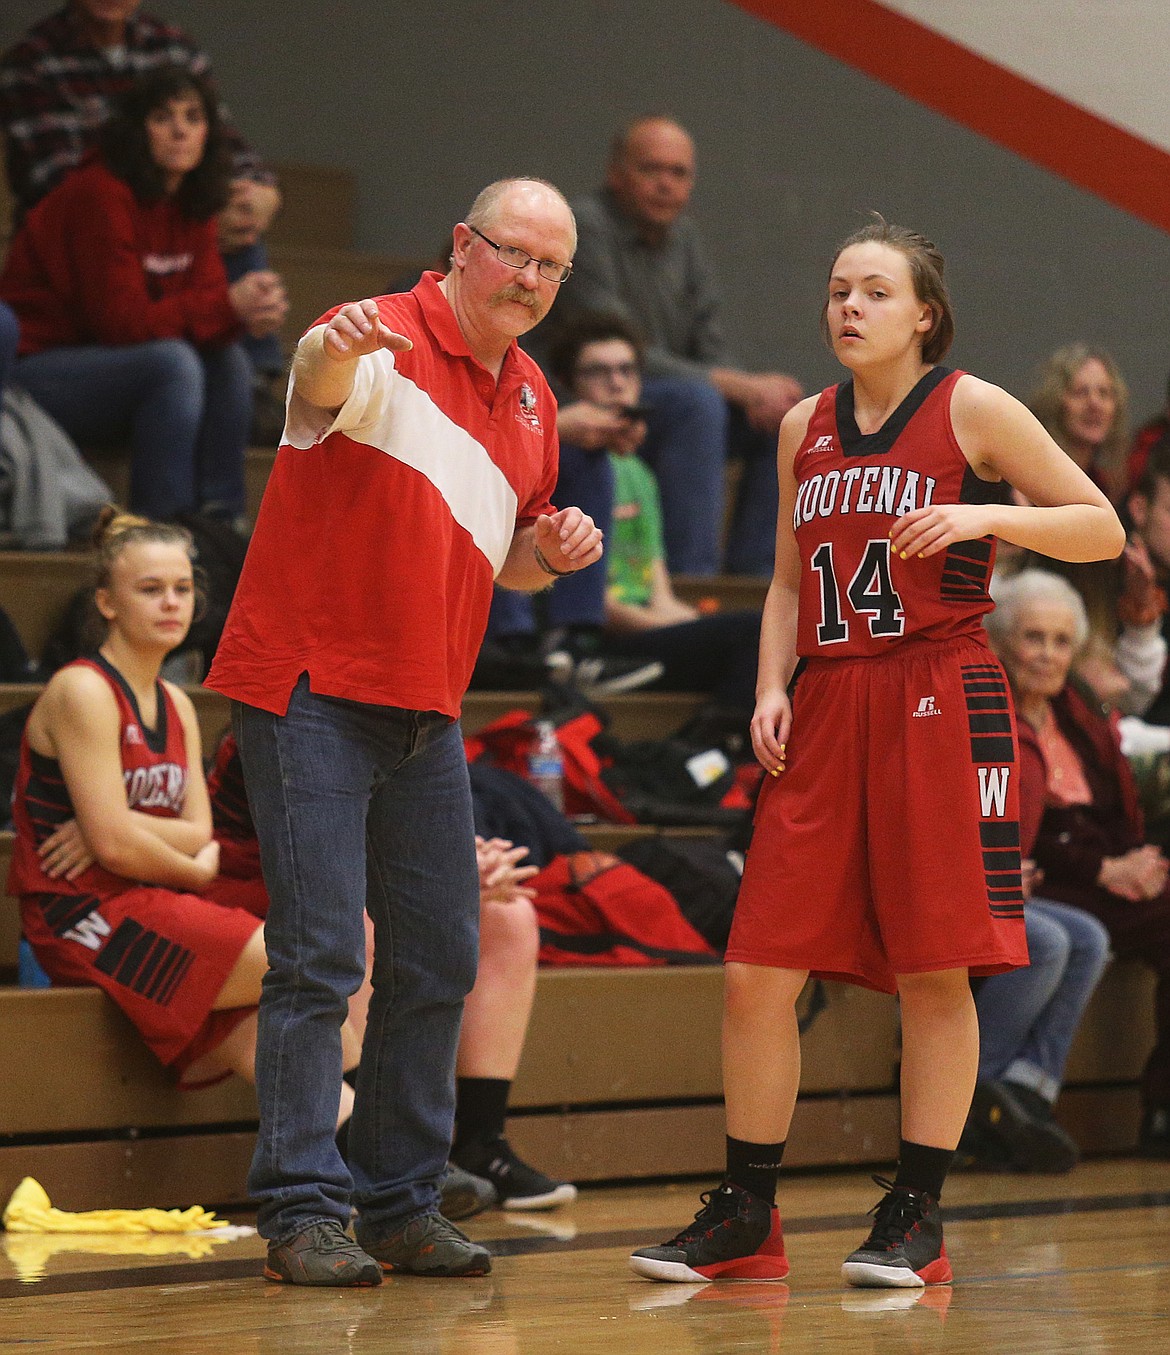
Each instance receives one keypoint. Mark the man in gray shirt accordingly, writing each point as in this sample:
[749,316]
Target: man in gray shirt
[640,256]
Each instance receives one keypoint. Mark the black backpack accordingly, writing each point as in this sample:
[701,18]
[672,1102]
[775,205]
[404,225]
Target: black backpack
[701,875]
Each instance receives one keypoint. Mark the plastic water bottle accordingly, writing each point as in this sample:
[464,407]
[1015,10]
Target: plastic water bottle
[546,764]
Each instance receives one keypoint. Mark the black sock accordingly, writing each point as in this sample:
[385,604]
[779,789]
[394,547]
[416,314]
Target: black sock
[481,1103]
[923,1168]
[754,1166]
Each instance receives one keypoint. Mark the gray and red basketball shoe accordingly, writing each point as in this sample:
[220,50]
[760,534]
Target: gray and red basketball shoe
[905,1247]
[735,1236]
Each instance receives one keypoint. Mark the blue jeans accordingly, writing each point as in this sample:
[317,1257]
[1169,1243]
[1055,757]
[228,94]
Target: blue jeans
[686,446]
[1028,1017]
[9,337]
[358,807]
[184,410]
[585,481]
[693,432]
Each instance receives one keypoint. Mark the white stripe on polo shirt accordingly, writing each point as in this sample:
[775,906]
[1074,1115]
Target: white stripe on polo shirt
[388,411]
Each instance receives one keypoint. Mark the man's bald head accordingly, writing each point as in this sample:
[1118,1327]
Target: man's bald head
[523,197]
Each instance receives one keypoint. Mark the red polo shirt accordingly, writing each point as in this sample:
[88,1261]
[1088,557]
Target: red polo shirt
[380,532]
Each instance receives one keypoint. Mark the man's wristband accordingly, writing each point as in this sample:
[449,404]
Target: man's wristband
[544,564]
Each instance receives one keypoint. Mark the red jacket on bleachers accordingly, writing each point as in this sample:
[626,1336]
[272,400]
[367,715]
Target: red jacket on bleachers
[93,265]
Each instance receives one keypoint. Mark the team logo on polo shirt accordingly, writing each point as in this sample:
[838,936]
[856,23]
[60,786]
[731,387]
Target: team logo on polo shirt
[528,414]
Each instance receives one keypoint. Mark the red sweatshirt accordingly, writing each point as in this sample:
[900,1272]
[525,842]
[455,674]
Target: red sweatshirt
[92,265]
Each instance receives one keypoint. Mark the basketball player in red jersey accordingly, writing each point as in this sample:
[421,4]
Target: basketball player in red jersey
[114,862]
[886,846]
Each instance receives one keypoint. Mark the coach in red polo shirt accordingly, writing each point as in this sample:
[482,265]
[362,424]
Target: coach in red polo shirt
[418,458]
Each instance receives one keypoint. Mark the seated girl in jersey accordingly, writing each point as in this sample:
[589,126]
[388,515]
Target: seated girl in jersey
[114,864]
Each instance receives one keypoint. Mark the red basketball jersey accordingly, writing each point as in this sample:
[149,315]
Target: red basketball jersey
[154,769]
[857,597]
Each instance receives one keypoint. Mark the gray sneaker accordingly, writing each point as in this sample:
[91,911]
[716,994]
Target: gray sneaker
[324,1254]
[462,1194]
[429,1245]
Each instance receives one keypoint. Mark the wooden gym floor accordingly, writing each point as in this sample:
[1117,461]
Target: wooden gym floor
[1078,1263]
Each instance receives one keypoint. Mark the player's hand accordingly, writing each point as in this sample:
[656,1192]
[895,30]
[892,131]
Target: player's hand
[568,539]
[926,531]
[65,854]
[501,876]
[770,727]
[207,859]
[358,329]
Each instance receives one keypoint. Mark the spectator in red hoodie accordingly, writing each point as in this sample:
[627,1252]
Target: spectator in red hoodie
[129,328]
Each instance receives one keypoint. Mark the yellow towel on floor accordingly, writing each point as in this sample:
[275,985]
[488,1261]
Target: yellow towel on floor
[30,1211]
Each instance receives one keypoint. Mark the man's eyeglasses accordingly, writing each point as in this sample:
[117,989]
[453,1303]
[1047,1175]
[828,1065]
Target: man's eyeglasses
[599,371]
[513,257]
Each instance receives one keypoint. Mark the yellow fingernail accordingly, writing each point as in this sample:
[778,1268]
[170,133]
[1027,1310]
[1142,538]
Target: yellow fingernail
[775,771]
[902,553]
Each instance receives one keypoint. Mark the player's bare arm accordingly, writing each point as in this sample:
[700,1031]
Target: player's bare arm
[772,719]
[1002,440]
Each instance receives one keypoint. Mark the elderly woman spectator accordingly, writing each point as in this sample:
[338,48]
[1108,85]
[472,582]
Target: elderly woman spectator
[1082,400]
[1091,843]
[129,328]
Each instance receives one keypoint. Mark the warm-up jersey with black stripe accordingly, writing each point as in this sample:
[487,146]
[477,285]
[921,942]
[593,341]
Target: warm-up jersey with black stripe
[858,598]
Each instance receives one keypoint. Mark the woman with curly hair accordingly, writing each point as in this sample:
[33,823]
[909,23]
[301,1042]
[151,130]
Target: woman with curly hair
[129,327]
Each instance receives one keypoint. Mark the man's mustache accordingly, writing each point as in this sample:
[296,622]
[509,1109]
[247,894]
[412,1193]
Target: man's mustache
[513,292]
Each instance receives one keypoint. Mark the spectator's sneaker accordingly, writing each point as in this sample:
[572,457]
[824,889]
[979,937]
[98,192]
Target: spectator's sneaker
[1021,1120]
[516,1184]
[429,1245]
[603,674]
[461,1194]
[905,1247]
[323,1254]
[735,1236]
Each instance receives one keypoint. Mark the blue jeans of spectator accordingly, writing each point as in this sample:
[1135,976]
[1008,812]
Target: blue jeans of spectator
[751,536]
[358,807]
[1028,1017]
[585,481]
[692,433]
[184,410]
[686,447]
[264,354]
[9,337]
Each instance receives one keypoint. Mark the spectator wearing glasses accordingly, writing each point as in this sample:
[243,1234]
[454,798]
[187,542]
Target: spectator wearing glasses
[419,461]
[598,360]
[567,641]
[641,256]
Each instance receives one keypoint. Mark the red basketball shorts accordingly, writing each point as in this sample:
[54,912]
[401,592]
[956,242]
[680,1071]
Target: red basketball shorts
[161,956]
[891,844]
